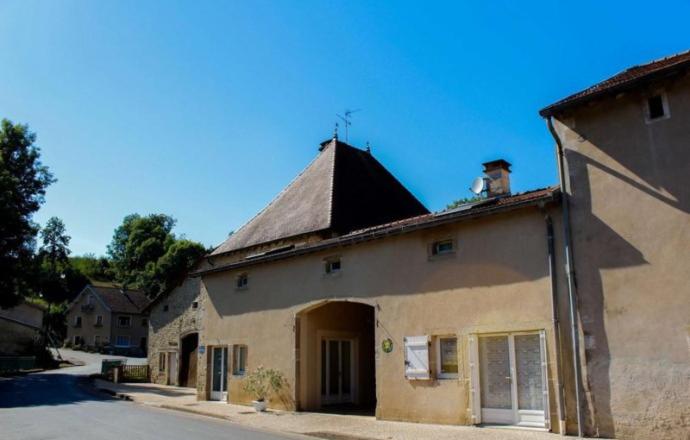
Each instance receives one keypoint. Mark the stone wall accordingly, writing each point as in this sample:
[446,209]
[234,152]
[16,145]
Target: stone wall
[166,327]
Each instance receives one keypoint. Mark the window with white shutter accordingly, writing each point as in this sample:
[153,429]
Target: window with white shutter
[417,357]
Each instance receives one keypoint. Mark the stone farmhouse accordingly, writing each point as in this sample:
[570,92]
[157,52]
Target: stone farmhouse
[563,308]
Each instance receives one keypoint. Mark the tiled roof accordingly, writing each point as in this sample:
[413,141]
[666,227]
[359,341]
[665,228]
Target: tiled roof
[343,189]
[622,81]
[423,221]
[122,301]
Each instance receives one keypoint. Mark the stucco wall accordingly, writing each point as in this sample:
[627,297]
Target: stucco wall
[628,182]
[497,281]
[166,328]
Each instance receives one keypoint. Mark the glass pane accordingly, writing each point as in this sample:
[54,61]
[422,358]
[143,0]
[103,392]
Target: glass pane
[528,364]
[333,361]
[495,372]
[217,359]
[346,366]
[323,367]
[449,355]
[224,369]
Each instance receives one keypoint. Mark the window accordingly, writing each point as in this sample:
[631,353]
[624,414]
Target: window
[144,322]
[447,357]
[76,340]
[97,340]
[166,308]
[239,360]
[195,305]
[442,247]
[77,321]
[99,320]
[242,281]
[161,361]
[417,357]
[122,341]
[124,321]
[656,108]
[332,265]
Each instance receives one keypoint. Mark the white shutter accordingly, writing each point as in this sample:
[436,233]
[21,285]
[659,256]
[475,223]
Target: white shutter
[417,357]
[475,397]
[545,379]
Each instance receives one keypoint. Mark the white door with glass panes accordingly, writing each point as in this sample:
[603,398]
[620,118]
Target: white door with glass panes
[337,367]
[512,379]
[219,373]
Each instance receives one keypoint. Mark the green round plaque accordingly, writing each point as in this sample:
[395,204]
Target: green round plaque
[387,345]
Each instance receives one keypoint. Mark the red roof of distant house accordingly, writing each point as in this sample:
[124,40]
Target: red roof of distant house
[622,81]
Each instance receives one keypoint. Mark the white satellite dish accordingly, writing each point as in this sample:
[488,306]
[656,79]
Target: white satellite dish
[478,185]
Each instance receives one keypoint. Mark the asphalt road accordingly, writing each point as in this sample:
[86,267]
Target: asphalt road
[56,405]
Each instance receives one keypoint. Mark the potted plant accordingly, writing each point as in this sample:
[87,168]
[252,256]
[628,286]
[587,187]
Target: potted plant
[261,383]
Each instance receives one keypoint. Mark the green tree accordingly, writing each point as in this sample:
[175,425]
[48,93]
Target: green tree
[460,202]
[93,267]
[23,181]
[55,247]
[146,254]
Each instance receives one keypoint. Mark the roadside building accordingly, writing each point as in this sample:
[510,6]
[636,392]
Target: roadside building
[364,299]
[106,316]
[20,327]
[625,145]
[174,325]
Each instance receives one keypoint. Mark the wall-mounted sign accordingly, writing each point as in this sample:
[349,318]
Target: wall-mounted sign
[202,349]
[387,345]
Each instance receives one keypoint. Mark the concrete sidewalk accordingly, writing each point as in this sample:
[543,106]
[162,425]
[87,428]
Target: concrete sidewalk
[326,426]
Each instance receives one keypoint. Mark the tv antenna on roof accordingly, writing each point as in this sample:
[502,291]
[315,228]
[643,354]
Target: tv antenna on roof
[346,119]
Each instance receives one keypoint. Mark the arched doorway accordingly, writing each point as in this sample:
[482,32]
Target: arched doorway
[189,346]
[337,370]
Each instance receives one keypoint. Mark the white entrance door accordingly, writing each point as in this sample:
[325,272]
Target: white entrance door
[336,371]
[219,373]
[172,371]
[512,370]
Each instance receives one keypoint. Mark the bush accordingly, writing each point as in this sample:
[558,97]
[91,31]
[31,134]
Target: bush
[263,382]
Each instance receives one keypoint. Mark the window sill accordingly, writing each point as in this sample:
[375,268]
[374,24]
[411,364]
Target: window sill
[443,256]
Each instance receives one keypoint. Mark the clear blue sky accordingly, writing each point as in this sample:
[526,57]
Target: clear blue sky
[205,110]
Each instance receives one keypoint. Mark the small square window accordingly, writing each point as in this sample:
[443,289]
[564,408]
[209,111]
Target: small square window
[242,281]
[77,321]
[442,247]
[239,360]
[144,322]
[195,305]
[447,357]
[333,265]
[99,320]
[166,308]
[124,321]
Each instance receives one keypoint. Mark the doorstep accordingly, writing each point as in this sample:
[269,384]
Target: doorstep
[315,425]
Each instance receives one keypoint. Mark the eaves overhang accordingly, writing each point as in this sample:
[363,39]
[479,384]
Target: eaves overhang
[430,221]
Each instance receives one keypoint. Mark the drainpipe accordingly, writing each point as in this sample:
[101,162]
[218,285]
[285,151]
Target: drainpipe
[572,293]
[554,315]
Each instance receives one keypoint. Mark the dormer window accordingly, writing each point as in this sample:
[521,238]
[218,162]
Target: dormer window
[242,281]
[656,107]
[332,265]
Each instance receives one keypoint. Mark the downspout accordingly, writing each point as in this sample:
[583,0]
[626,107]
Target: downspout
[551,248]
[572,293]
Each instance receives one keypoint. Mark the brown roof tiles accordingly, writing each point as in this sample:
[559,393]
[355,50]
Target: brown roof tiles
[622,81]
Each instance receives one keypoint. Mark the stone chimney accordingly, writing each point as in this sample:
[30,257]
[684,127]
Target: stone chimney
[497,178]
